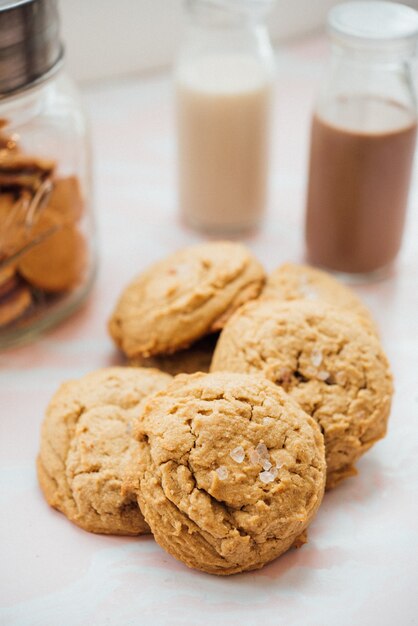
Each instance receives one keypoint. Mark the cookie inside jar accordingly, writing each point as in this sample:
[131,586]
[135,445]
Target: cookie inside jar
[44,251]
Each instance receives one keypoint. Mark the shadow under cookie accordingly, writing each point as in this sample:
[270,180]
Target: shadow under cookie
[197,358]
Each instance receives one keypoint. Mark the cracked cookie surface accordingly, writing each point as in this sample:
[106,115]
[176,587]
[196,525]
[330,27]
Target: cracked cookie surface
[184,297]
[87,444]
[291,282]
[332,367]
[231,470]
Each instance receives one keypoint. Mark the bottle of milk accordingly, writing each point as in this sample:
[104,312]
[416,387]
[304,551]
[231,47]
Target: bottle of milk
[223,81]
[363,137]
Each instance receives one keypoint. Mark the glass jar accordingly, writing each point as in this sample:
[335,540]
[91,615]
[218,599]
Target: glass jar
[223,82]
[362,140]
[47,245]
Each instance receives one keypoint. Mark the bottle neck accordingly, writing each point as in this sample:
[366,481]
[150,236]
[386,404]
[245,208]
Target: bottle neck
[385,54]
[361,83]
[214,28]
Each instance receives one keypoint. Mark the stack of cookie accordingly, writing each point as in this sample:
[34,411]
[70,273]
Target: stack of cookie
[226,468]
[43,253]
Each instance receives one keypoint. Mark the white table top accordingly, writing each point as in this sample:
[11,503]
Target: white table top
[361,563]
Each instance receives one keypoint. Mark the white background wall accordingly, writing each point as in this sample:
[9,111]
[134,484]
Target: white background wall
[109,38]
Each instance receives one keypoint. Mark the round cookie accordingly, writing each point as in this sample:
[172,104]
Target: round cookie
[231,472]
[14,304]
[335,370]
[295,282]
[8,279]
[56,263]
[13,231]
[66,199]
[87,446]
[185,296]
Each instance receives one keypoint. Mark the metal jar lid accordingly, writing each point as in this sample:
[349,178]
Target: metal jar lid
[30,46]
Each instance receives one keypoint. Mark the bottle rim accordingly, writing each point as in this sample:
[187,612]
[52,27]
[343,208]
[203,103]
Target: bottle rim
[375,25]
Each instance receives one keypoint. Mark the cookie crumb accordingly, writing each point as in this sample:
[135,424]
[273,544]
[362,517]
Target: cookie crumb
[222,472]
[237,454]
[268,421]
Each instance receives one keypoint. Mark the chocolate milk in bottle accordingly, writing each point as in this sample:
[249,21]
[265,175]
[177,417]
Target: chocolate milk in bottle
[363,138]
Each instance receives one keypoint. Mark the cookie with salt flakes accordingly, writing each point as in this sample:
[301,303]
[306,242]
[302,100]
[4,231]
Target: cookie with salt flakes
[335,369]
[230,471]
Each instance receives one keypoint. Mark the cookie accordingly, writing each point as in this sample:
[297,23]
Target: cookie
[231,470]
[8,279]
[295,282]
[184,297]
[58,262]
[334,368]
[13,223]
[14,304]
[87,444]
[21,171]
[66,199]
[197,358]
[24,218]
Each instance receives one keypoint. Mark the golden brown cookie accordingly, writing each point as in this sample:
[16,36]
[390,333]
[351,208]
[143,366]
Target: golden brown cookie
[231,470]
[13,227]
[14,304]
[18,171]
[197,358]
[295,282]
[332,367]
[185,296]
[8,279]
[56,263]
[87,444]
[66,199]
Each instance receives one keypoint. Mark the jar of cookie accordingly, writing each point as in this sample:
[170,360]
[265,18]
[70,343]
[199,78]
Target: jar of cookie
[47,244]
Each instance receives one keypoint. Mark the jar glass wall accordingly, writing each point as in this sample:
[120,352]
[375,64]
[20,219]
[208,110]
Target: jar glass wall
[47,234]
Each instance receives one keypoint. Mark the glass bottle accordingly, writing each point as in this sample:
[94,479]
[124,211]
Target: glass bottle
[223,82]
[47,236]
[362,140]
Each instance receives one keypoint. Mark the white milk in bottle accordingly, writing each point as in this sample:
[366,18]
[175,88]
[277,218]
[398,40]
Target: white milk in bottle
[223,114]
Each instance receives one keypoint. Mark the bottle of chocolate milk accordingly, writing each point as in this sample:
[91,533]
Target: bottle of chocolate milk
[363,138]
